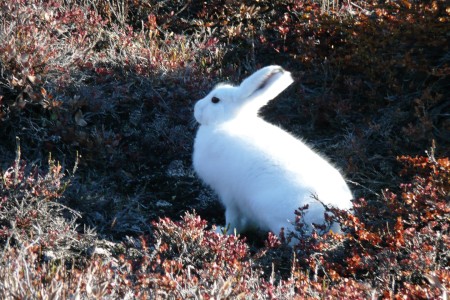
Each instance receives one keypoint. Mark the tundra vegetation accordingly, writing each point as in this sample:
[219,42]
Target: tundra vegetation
[97,195]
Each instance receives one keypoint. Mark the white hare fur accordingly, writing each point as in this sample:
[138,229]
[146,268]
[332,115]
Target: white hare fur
[261,173]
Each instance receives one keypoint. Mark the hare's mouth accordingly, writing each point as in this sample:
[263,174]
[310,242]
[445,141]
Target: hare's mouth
[269,76]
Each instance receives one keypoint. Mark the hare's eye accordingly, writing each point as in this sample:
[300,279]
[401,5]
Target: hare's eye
[215,100]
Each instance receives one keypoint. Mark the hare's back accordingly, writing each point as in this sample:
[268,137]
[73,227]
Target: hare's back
[286,160]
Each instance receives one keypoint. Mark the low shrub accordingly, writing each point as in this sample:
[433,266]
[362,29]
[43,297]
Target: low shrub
[398,244]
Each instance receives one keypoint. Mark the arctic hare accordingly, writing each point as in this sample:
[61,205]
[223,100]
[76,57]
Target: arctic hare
[261,173]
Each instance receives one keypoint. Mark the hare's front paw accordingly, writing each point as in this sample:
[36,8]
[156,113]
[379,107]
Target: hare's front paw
[235,223]
[221,229]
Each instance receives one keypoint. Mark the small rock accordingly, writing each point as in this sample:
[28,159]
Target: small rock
[163,203]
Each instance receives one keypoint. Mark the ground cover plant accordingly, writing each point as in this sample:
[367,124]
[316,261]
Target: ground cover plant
[97,195]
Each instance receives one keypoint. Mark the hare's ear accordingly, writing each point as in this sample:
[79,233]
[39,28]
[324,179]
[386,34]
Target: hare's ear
[264,85]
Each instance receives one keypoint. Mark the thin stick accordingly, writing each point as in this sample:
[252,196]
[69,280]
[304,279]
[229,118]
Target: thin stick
[17,161]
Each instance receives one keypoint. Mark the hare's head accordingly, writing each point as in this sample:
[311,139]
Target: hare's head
[226,102]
